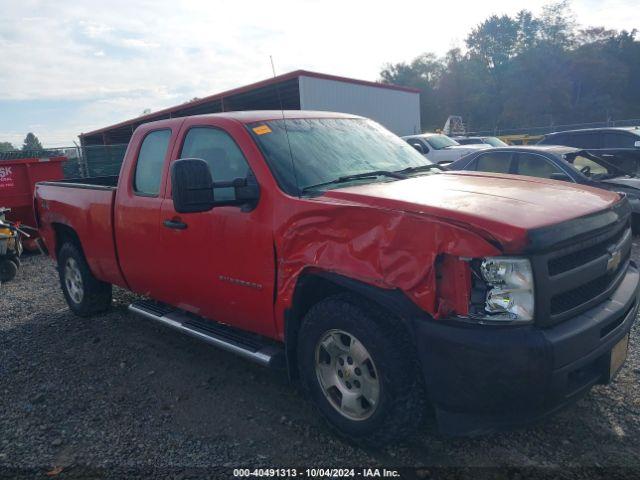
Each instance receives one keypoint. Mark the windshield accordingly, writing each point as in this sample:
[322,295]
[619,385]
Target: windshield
[592,166]
[320,150]
[438,142]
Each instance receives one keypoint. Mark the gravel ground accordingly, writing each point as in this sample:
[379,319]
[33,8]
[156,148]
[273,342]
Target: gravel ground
[116,395]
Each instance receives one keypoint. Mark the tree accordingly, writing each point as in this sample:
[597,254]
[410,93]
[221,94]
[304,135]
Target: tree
[494,40]
[595,35]
[422,73]
[526,71]
[6,147]
[528,31]
[31,143]
[557,24]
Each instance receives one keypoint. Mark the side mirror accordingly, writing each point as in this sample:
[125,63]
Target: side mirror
[418,147]
[560,176]
[191,186]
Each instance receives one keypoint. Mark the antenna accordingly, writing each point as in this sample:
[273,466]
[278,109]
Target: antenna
[284,122]
[273,68]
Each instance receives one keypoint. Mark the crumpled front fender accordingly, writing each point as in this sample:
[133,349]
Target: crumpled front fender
[386,248]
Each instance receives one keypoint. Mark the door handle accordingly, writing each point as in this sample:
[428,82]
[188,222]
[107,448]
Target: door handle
[176,224]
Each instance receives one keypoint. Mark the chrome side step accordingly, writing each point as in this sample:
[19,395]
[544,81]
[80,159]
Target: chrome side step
[247,345]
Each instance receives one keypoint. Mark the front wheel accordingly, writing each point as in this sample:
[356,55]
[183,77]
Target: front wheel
[358,366]
[84,293]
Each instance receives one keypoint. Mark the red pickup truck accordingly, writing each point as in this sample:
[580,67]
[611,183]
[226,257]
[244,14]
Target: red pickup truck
[321,243]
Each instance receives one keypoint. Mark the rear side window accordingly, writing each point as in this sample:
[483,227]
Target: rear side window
[585,140]
[150,161]
[536,166]
[217,148]
[496,162]
[555,140]
[619,140]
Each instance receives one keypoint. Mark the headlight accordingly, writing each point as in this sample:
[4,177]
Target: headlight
[510,295]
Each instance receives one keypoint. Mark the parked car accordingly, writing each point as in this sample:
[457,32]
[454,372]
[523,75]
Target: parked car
[493,141]
[439,148]
[323,243]
[627,159]
[595,138]
[558,163]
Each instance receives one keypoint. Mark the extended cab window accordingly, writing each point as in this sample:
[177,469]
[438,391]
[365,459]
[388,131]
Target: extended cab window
[150,160]
[218,149]
[496,162]
[535,166]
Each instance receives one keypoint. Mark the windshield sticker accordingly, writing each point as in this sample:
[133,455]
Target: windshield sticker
[261,130]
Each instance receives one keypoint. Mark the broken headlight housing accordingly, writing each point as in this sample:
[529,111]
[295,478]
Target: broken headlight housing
[509,289]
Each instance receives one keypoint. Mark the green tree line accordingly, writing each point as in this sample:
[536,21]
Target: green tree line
[31,143]
[525,70]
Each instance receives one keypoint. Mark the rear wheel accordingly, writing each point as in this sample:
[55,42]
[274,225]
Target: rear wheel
[84,293]
[358,367]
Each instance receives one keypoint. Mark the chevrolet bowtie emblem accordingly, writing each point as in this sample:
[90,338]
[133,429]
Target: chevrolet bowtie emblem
[614,260]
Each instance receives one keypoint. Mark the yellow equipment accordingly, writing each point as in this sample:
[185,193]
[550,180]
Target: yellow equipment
[10,247]
[521,139]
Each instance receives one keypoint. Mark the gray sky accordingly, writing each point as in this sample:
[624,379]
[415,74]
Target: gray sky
[73,66]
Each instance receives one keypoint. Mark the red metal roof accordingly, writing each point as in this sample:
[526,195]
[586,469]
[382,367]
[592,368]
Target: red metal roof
[246,88]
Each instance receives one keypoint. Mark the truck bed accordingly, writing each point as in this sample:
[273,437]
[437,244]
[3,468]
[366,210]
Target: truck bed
[84,207]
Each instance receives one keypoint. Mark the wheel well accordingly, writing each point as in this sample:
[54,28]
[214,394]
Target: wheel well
[64,234]
[315,287]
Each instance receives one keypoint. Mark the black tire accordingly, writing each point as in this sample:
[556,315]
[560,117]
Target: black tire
[635,223]
[15,259]
[401,404]
[96,295]
[8,270]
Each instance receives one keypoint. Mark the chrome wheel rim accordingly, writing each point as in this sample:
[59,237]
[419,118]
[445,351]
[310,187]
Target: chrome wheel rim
[73,280]
[347,375]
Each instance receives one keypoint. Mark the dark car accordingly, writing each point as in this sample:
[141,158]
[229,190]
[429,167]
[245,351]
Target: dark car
[595,138]
[557,163]
[493,141]
[627,159]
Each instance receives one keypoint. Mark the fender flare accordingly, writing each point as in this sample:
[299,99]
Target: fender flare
[393,300]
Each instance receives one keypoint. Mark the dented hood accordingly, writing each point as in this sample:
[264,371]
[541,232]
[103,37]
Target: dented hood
[503,208]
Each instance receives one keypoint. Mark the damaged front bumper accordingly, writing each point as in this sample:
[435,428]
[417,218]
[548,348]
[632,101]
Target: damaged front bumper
[485,378]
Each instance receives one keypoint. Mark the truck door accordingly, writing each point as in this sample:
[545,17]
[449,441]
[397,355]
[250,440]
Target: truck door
[220,263]
[137,210]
